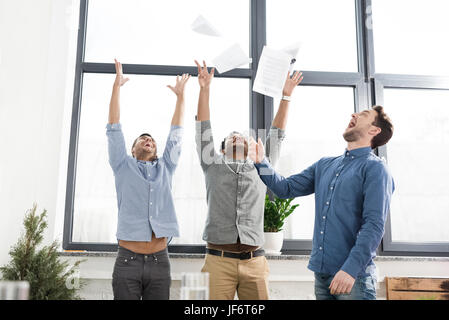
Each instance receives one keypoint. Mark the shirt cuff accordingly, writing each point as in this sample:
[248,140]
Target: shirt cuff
[176,131]
[277,132]
[263,164]
[351,267]
[114,126]
[203,124]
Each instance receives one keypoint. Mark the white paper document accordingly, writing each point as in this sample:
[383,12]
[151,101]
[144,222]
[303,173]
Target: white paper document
[201,25]
[292,49]
[272,72]
[231,58]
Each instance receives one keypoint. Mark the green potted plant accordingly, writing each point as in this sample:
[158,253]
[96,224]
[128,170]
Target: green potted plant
[276,211]
[48,278]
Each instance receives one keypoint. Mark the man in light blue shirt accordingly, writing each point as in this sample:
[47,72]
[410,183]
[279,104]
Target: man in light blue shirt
[146,213]
[352,199]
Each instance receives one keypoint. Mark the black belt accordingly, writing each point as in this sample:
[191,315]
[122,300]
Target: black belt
[241,256]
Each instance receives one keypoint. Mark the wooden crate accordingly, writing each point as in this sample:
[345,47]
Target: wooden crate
[417,288]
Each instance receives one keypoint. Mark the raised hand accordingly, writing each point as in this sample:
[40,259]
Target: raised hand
[119,80]
[291,83]
[256,150]
[204,77]
[178,89]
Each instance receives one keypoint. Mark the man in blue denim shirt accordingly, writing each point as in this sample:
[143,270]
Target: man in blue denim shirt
[352,199]
[146,213]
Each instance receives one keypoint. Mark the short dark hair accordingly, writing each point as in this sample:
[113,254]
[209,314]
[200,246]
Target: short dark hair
[143,134]
[383,122]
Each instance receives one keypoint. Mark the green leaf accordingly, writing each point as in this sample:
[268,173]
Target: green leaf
[276,212]
[41,267]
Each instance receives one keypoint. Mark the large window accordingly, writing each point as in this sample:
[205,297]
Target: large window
[147,106]
[354,54]
[410,73]
[158,32]
[326,30]
[421,202]
[410,36]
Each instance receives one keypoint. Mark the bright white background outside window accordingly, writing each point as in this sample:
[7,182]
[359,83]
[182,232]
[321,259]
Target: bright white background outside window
[318,117]
[418,156]
[147,105]
[411,36]
[159,32]
[326,28]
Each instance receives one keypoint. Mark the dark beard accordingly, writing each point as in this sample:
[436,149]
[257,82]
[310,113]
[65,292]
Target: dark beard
[351,136]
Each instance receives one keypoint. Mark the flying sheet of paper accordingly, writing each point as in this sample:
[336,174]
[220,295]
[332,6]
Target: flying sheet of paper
[272,72]
[201,25]
[231,58]
[292,49]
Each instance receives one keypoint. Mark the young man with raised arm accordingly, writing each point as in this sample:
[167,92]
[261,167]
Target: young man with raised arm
[146,213]
[235,198]
[352,199]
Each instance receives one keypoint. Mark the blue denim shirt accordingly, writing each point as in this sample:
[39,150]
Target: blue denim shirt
[144,198]
[352,199]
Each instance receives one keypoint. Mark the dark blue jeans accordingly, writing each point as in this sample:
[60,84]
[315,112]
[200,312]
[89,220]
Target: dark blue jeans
[141,276]
[364,288]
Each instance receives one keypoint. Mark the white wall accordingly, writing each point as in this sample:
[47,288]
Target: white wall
[37,55]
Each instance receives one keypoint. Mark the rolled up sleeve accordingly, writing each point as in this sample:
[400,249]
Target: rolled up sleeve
[273,144]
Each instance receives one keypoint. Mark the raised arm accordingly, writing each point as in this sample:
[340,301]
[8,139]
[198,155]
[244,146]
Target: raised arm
[114,105]
[203,132]
[277,131]
[204,80]
[116,141]
[280,120]
[178,89]
[172,149]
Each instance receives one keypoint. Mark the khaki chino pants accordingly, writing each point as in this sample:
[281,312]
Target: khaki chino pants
[228,275]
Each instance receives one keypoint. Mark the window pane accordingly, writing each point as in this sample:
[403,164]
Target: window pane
[318,117]
[326,28]
[418,156]
[410,36]
[159,32]
[147,105]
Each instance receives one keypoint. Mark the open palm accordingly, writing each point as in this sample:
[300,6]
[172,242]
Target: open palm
[204,77]
[119,79]
[178,89]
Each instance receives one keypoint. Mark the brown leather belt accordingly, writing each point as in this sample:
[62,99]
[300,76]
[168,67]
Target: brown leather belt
[241,256]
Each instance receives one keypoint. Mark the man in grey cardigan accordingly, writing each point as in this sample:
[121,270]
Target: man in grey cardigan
[235,198]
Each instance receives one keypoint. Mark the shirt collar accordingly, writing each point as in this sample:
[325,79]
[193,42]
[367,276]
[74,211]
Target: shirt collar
[230,160]
[147,162]
[357,152]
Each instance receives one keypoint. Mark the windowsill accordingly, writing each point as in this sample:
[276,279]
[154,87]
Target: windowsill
[102,254]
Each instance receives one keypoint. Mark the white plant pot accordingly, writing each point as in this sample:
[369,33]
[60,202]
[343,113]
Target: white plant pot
[273,242]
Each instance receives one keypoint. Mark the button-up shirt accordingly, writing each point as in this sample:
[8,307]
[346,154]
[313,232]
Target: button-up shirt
[235,194]
[352,199]
[144,197]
